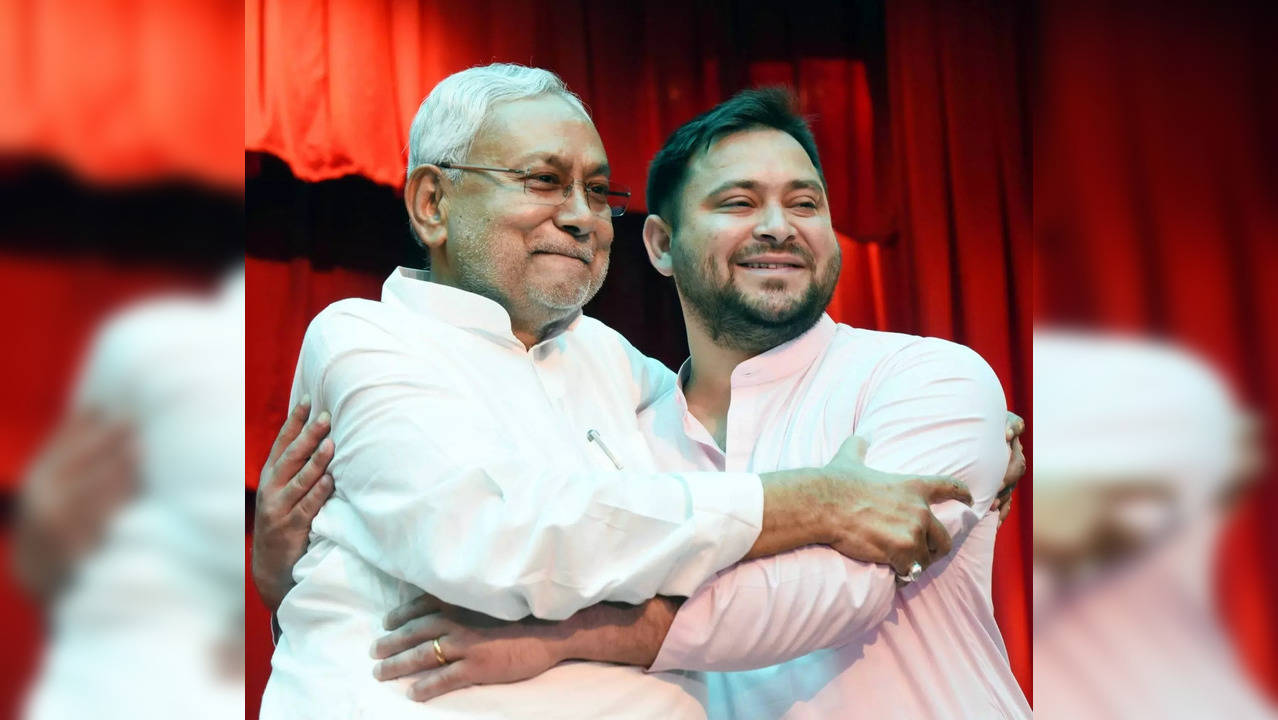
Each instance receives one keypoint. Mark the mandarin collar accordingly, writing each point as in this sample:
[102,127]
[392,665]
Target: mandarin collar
[787,358]
[412,289]
[781,361]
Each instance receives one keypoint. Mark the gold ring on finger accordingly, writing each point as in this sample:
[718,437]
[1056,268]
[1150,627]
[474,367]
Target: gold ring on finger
[439,653]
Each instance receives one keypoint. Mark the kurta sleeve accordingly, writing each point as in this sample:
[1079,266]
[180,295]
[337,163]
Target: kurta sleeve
[934,407]
[426,492]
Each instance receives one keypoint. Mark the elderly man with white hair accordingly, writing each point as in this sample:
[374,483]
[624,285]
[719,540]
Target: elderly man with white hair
[488,443]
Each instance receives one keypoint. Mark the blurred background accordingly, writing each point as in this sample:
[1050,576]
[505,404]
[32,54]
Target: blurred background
[1156,258]
[920,109]
[121,243]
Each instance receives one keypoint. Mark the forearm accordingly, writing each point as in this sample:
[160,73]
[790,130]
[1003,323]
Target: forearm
[616,633]
[793,502]
[272,585]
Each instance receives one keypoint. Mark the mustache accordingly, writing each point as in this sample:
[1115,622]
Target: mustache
[794,249]
[581,253]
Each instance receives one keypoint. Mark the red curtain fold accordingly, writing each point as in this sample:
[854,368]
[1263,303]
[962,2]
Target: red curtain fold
[332,86]
[919,115]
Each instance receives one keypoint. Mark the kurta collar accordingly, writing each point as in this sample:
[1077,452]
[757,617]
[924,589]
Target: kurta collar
[787,358]
[781,361]
[413,290]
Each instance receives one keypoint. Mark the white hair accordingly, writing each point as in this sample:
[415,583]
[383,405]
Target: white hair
[452,114]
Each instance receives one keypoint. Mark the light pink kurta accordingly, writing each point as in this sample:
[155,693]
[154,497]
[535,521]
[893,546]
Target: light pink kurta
[850,644]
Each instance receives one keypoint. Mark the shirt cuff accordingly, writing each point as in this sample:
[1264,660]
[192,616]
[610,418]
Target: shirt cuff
[727,509]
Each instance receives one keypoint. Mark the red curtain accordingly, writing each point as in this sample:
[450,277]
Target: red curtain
[1154,212]
[919,113]
[331,86]
[124,91]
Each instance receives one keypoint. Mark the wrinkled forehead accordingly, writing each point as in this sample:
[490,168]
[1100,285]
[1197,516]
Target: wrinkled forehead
[536,128]
[763,156]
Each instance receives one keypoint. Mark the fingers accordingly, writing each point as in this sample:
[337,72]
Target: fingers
[111,433]
[309,506]
[942,488]
[94,439]
[412,634]
[1016,466]
[913,547]
[303,447]
[419,606]
[918,552]
[292,426]
[113,478]
[417,658]
[302,482]
[1015,426]
[1004,510]
[938,538]
[453,676]
[931,542]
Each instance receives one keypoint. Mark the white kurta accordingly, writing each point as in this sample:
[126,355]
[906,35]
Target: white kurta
[931,650]
[464,468]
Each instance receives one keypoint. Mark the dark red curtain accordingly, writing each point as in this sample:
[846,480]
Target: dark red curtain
[919,111]
[1154,213]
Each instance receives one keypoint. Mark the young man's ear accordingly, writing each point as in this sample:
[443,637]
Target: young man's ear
[656,238]
[427,208]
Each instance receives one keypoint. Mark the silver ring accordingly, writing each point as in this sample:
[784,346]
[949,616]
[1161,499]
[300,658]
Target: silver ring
[915,571]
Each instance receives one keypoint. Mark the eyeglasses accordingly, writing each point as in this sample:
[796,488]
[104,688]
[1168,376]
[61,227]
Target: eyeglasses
[544,187]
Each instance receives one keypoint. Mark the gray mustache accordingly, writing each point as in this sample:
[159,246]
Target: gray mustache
[584,257]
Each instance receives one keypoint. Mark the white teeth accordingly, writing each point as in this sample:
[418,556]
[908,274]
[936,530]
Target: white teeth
[766,266]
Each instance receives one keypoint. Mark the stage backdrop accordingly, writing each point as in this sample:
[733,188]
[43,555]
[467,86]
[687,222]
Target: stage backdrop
[1154,211]
[919,111]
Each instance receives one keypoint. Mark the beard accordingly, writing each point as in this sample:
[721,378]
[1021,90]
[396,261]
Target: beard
[479,268]
[566,295]
[756,323]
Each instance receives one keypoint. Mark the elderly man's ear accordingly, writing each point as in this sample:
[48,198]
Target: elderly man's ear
[426,205]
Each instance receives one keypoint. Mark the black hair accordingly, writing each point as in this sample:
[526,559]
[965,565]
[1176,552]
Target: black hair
[771,107]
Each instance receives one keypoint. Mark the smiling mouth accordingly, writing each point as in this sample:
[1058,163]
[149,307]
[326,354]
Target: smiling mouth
[773,262]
